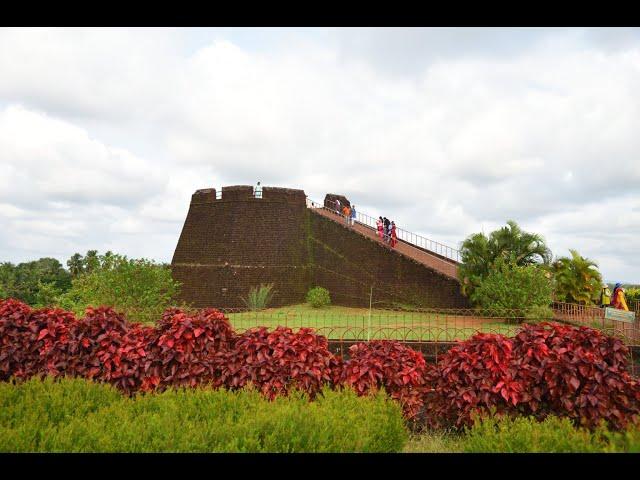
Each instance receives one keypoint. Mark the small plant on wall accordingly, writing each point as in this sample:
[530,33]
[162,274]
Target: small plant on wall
[259,297]
[318,297]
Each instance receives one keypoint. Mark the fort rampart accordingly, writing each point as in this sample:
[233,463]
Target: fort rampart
[232,243]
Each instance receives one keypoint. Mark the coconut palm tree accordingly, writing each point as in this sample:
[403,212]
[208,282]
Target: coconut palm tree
[478,253]
[577,279]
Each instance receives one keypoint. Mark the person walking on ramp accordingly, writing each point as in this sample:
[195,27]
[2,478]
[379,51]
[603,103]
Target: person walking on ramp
[346,211]
[379,227]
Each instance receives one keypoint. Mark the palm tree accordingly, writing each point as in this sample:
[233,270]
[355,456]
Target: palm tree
[476,258]
[526,248]
[478,253]
[577,279]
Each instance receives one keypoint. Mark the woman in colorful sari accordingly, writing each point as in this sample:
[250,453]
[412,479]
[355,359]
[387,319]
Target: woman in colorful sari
[394,238]
[379,227]
[617,299]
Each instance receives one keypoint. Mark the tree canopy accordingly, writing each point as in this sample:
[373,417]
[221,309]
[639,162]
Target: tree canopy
[510,243]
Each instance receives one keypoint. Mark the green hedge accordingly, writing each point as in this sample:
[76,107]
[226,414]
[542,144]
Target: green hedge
[80,416]
[553,435]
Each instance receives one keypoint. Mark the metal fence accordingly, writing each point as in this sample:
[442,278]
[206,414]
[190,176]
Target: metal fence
[431,331]
[594,317]
[422,325]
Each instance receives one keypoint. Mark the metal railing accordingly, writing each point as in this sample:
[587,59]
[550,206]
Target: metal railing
[594,317]
[404,235]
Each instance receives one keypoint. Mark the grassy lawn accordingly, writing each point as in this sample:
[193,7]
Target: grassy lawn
[357,323]
[434,442]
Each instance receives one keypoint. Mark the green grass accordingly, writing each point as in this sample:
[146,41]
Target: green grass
[356,323]
[435,442]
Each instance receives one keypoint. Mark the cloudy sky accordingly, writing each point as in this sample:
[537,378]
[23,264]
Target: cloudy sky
[106,133]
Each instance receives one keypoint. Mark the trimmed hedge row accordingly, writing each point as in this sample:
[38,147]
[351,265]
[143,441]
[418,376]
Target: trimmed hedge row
[76,415]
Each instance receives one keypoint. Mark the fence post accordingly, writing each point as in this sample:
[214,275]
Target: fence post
[369,326]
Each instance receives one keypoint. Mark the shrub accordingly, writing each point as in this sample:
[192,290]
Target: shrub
[278,361]
[32,341]
[14,322]
[547,369]
[79,416]
[509,290]
[390,365]
[632,295]
[318,297]
[538,313]
[259,297]
[472,377]
[527,435]
[185,349]
[140,288]
[580,373]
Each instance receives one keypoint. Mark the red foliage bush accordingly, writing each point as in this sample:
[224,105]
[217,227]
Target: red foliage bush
[32,342]
[186,348]
[580,373]
[15,319]
[389,364]
[472,377]
[95,340]
[279,360]
[547,369]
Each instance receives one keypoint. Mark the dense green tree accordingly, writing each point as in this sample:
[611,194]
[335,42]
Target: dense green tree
[26,280]
[510,290]
[577,279]
[510,243]
[140,288]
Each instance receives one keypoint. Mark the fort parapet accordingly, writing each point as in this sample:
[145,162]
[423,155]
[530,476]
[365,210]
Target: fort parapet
[235,242]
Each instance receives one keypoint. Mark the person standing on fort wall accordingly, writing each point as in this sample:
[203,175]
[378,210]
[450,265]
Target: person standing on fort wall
[337,202]
[387,229]
[257,191]
[353,215]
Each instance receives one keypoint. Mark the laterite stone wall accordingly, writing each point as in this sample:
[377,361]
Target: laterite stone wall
[230,244]
[236,242]
[349,264]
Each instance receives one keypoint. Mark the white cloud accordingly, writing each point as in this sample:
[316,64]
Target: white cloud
[447,131]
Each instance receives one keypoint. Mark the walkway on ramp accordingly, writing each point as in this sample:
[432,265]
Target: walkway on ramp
[435,262]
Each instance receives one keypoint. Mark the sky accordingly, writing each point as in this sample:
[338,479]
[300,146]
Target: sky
[105,133]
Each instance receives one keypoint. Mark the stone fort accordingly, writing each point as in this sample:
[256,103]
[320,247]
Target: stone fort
[232,241]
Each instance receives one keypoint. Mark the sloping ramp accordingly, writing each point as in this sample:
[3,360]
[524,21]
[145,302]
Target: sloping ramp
[435,262]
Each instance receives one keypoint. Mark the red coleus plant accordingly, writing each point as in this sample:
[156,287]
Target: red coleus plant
[279,360]
[15,319]
[185,350]
[547,369]
[389,364]
[95,339]
[32,342]
[475,376]
[579,372]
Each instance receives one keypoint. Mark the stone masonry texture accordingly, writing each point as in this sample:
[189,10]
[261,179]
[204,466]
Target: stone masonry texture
[231,244]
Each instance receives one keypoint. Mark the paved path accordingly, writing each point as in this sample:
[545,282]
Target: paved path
[448,268]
